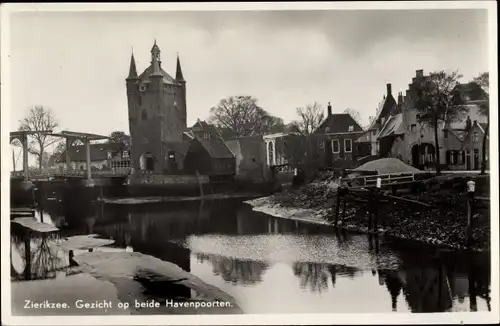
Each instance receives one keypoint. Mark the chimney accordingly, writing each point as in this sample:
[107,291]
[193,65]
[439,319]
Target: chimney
[420,73]
[400,97]
[468,124]
[329,109]
[389,89]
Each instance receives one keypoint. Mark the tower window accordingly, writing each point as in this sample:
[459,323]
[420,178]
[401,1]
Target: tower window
[144,115]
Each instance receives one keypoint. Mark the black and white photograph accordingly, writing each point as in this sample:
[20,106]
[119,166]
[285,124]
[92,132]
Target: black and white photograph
[249,163]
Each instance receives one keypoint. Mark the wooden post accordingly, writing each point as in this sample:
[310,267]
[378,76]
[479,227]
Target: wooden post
[371,203]
[344,208]
[25,157]
[199,183]
[68,159]
[471,187]
[337,206]
[376,203]
[27,255]
[88,161]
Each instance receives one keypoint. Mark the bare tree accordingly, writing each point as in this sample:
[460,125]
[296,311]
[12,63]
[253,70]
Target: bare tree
[355,115]
[244,116]
[39,119]
[437,101]
[310,117]
[483,80]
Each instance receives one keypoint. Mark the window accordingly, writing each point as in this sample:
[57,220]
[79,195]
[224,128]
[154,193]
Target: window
[476,137]
[445,133]
[351,128]
[413,128]
[335,146]
[347,145]
[109,155]
[454,157]
[125,154]
[374,132]
[144,115]
[206,136]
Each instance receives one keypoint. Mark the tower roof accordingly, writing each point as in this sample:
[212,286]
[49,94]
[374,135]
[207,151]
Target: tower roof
[178,74]
[155,48]
[133,69]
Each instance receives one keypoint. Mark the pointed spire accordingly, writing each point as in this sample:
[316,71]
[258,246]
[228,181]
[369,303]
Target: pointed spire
[178,75]
[155,60]
[156,67]
[133,69]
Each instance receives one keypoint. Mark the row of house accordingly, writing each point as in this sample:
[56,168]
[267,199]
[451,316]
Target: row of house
[397,132]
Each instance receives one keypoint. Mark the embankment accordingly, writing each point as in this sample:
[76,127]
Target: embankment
[443,223]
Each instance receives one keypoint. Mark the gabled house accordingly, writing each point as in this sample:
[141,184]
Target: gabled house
[336,138]
[208,153]
[368,141]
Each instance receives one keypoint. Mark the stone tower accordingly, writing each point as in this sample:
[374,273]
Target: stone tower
[156,111]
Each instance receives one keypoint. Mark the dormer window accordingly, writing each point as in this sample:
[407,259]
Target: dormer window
[351,128]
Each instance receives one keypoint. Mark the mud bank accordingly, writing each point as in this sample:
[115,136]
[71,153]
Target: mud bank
[442,224]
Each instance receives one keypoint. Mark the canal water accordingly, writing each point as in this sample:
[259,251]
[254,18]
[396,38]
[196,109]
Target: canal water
[268,265]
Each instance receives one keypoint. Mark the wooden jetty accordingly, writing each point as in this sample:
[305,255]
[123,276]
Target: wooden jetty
[32,225]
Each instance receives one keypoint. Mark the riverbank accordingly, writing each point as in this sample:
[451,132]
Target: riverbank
[169,199]
[443,223]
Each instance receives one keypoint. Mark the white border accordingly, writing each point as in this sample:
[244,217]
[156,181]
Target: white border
[436,318]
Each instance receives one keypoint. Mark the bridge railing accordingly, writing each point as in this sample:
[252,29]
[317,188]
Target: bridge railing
[72,173]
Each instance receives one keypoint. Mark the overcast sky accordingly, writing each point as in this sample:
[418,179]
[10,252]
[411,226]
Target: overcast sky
[76,62]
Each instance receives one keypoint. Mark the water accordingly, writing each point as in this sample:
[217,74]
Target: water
[268,265]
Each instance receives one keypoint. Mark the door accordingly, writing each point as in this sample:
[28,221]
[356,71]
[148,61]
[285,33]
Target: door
[476,159]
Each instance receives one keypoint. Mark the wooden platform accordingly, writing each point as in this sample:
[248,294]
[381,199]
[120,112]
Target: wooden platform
[22,212]
[33,225]
[82,242]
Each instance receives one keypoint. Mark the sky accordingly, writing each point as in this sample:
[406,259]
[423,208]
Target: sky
[75,63]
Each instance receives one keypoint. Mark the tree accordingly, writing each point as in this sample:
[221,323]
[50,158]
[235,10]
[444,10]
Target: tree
[310,117]
[483,80]
[438,101]
[60,147]
[244,117]
[355,115]
[117,137]
[39,119]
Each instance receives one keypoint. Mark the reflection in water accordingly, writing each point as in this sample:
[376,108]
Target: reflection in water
[313,276]
[247,253]
[36,257]
[235,271]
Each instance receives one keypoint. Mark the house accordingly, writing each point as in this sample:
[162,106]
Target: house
[402,135]
[251,157]
[104,156]
[335,139]
[208,153]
